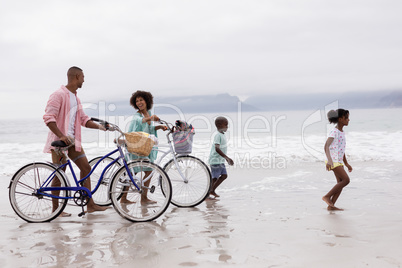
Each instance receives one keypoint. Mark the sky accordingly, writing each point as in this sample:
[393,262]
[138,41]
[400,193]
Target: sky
[186,47]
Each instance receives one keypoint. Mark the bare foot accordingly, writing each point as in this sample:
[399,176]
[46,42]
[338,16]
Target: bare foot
[126,201]
[328,201]
[65,214]
[214,194]
[334,208]
[145,201]
[211,198]
[94,208]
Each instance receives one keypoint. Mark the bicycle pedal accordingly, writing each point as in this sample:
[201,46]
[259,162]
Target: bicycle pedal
[81,214]
[124,180]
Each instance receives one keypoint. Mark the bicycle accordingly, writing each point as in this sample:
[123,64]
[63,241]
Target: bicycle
[39,191]
[189,175]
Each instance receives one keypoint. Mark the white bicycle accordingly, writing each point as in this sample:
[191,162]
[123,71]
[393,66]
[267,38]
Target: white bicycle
[190,176]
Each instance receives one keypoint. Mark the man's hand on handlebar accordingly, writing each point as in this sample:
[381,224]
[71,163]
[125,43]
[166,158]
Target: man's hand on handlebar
[110,127]
[106,127]
[102,127]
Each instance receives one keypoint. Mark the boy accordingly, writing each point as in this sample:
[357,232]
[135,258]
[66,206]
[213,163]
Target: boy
[218,155]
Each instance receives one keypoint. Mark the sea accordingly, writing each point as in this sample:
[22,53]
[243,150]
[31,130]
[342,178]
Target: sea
[269,139]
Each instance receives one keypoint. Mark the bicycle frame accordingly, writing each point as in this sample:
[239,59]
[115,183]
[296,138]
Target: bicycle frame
[170,151]
[43,190]
[40,191]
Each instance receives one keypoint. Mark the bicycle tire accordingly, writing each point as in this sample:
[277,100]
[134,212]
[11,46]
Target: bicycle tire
[27,203]
[196,189]
[138,211]
[101,196]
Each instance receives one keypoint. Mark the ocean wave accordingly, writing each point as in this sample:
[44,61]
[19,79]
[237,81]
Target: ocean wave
[258,152]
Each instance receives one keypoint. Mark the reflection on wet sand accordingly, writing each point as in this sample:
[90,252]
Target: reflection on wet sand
[217,217]
[95,241]
[181,237]
[135,242]
[199,233]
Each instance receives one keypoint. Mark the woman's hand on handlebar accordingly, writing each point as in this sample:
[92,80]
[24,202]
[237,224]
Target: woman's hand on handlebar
[164,125]
[164,128]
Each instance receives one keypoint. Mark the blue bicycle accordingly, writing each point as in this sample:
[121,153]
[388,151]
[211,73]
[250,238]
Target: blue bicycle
[189,175]
[39,191]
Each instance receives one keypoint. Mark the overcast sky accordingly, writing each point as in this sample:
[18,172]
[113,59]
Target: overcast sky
[187,47]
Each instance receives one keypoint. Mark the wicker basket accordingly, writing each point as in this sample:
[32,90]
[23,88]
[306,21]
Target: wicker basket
[138,143]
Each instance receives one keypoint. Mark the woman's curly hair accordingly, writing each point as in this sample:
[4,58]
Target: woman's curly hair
[147,96]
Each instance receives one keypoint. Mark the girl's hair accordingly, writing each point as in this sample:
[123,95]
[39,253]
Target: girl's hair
[333,116]
[147,96]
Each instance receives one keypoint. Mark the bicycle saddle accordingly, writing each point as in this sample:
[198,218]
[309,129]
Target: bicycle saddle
[60,144]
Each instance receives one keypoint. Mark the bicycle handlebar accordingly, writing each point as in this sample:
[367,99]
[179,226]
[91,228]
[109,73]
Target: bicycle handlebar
[102,122]
[107,125]
[167,124]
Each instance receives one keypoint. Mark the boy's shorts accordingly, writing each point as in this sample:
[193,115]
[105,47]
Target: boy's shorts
[218,170]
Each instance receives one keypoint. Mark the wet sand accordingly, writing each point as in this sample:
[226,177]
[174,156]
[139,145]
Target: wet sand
[264,218]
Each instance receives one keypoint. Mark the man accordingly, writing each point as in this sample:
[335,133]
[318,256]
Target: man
[64,116]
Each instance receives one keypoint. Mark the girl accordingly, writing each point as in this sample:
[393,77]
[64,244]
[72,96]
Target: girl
[335,151]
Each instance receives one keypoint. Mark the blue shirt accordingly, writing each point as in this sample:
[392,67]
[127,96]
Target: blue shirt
[214,157]
[137,125]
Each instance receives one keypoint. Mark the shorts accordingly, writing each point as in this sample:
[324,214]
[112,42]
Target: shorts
[218,170]
[72,154]
[335,165]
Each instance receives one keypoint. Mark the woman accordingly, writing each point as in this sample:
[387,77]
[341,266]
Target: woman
[143,120]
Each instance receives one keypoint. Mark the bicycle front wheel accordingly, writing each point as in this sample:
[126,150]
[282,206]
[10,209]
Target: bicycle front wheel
[146,204]
[31,204]
[101,195]
[191,180]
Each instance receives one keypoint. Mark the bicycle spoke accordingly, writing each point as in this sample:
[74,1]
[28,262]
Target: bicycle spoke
[144,205]
[193,188]
[27,202]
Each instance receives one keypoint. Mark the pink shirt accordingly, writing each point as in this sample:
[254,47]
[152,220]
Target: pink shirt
[57,110]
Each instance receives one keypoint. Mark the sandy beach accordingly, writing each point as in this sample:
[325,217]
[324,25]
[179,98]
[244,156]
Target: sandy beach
[264,218]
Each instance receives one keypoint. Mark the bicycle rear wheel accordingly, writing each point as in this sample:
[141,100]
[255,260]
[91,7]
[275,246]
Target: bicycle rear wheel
[28,202]
[191,190]
[127,199]
[101,196]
